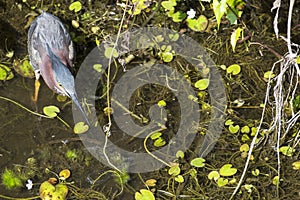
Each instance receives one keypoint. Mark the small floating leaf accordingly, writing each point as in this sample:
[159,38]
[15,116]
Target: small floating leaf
[198,162]
[80,128]
[151,182]
[111,52]
[65,173]
[287,150]
[202,84]
[159,142]
[296,165]
[5,73]
[76,6]
[161,103]
[213,175]
[199,24]
[234,129]
[179,154]
[51,111]
[168,5]
[227,170]
[179,179]
[233,69]
[144,195]
[97,67]
[23,68]
[222,182]
[156,135]
[174,170]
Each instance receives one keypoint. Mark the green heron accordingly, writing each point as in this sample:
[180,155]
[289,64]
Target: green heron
[51,54]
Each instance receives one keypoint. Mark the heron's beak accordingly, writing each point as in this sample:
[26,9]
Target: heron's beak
[75,100]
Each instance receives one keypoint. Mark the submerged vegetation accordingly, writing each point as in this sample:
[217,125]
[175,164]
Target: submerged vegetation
[255,156]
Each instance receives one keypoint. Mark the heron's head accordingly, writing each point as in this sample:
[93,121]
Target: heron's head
[64,80]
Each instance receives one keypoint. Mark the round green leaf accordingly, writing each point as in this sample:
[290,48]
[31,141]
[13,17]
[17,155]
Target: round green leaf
[168,5]
[179,179]
[213,175]
[287,150]
[222,182]
[174,170]
[161,103]
[51,111]
[111,52]
[76,6]
[202,84]
[245,129]
[179,154]
[159,142]
[233,69]
[199,24]
[97,67]
[167,56]
[198,162]
[5,73]
[227,170]
[80,128]
[23,68]
[144,195]
[156,135]
[234,129]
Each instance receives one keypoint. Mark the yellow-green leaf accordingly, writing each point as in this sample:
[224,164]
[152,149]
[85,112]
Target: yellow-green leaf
[227,170]
[222,182]
[174,170]
[179,179]
[51,111]
[198,162]
[144,195]
[233,69]
[213,175]
[76,6]
[202,84]
[80,128]
[287,150]
[5,73]
[235,35]
[110,51]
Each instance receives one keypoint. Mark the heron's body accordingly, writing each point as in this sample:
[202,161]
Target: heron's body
[51,54]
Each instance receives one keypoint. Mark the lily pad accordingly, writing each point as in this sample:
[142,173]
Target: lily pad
[202,84]
[65,173]
[174,170]
[222,182]
[49,191]
[80,128]
[179,179]
[227,170]
[198,25]
[5,73]
[214,175]
[97,67]
[234,129]
[198,162]
[144,195]
[287,150]
[109,51]
[161,103]
[296,165]
[169,5]
[23,68]
[233,69]
[155,135]
[76,6]
[51,111]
